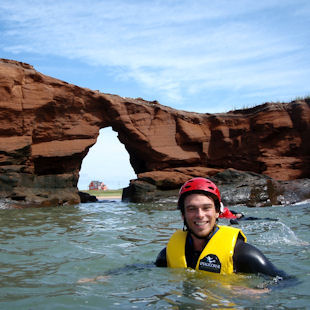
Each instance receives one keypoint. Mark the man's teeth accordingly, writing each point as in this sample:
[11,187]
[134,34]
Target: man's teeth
[200,223]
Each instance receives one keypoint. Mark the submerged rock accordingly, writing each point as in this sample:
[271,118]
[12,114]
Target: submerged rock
[85,197]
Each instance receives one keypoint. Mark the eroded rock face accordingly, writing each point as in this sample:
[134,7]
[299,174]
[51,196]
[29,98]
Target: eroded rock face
[47,127]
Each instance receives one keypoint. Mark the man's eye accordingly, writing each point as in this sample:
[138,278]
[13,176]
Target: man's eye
[191,209]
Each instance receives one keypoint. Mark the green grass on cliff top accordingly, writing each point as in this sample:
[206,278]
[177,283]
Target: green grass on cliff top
[107,193]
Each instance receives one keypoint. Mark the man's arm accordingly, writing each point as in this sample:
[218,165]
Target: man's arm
[248,259]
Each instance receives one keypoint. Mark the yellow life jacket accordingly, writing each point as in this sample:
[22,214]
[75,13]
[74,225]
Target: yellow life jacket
[217,256]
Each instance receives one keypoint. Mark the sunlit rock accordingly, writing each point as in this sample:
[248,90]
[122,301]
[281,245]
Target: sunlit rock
[47,127]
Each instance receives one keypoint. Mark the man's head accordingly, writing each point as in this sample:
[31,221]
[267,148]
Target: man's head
[200,215]
[199,186]
[199,202]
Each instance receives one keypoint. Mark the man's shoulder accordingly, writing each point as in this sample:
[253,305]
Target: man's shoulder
[161,260]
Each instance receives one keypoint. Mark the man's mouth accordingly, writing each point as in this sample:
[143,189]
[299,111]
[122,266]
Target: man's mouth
[200,223]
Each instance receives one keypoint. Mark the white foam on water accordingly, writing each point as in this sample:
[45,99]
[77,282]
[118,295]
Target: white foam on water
[5,205]
[301,202]
[277,233]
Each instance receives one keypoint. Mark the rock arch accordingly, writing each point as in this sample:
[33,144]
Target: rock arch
[47,127]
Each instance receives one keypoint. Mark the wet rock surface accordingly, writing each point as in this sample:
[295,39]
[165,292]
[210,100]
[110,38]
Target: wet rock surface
[85,197]
[236,187]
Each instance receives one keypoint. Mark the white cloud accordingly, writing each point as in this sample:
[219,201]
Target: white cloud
[171,48]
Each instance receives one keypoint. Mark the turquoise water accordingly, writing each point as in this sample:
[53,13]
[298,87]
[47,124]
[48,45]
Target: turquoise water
[49,258]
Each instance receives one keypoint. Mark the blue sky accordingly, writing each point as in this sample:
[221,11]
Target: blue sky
[193,55]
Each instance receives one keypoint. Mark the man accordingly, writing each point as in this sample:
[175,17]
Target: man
[204,245]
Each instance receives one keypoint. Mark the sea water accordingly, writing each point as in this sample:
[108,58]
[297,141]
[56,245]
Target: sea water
[101,256]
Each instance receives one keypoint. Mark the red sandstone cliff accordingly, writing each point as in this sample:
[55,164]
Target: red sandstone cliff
[47,127]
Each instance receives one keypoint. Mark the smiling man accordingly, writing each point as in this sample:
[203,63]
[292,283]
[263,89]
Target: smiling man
[204,245]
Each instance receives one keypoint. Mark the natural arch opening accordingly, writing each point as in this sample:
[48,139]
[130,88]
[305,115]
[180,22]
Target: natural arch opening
[107,161]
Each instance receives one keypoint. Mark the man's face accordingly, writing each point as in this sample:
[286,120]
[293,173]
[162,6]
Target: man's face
[200,214]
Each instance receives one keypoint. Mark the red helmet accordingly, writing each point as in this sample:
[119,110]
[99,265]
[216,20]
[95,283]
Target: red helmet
[200,185]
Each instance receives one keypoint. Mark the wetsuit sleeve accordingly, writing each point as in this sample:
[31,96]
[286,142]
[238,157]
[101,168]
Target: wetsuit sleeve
[249,259]
[235,212]
[161,260]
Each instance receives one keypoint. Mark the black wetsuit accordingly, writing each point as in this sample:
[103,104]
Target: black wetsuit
[246,258]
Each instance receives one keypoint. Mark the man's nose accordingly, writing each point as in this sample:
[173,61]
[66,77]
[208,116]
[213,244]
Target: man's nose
[199,212]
